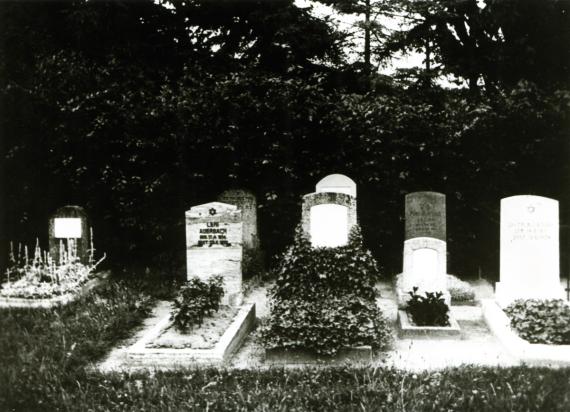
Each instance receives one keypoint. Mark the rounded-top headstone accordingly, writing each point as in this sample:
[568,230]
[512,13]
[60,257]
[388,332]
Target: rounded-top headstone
[425,215]
[69,223]
[247,203]
[337,183]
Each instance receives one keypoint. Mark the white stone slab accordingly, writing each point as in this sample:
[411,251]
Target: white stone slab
[67,227]
[214,246]
[329,225]
[424,265]
[530,262]
[337,183]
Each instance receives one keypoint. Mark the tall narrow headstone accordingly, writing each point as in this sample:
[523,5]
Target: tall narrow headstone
[329,214]
[247,203]
[425,247]
[214,246]
[530,260]
[69,230]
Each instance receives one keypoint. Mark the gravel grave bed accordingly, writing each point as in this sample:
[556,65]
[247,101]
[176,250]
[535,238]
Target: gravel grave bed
[202,337]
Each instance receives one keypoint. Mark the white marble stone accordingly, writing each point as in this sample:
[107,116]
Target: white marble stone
[424,265]
[329,225]
[530,261]
[214,246]
[67,227]
[337,183]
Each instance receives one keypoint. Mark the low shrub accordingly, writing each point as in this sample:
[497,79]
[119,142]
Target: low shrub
[428,310]
[459,290]
[324,299]
[541,321]
[196,300]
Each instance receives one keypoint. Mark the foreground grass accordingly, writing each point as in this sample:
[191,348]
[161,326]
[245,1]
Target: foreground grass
[44,355]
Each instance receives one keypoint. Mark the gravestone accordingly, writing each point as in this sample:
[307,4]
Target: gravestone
[530,261]
[69,230]
[247,203]
[425,247]
[337,183]
[329,214]
[214,246]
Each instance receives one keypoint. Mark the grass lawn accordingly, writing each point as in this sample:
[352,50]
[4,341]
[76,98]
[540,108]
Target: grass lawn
[44,355]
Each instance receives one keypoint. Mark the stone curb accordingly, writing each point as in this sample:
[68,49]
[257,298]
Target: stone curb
[47,303]
[535,354]
[138,355]
[408,331]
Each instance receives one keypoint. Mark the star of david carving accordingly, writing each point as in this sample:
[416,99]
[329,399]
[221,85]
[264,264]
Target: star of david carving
[212,212]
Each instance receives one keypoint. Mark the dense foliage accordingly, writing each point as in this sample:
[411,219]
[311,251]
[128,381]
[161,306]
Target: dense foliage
[541,321]
[429,309]
[324,299]
[195,301]
[190,101]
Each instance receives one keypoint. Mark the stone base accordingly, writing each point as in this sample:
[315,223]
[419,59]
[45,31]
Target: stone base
[138,355]
[506,294]
[408,331]
[305,356]
[535,354]
[46,303]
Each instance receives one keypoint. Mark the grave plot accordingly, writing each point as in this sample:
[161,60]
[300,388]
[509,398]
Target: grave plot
[422,287]
[207,322]
[42,280]
[529,313]
[323,303]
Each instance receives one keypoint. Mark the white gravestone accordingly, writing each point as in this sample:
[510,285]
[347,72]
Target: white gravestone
[325,233]
[67,227]
[214,246]
[530,261]
[337,183]
[425,247]
[329,214]
[69,231]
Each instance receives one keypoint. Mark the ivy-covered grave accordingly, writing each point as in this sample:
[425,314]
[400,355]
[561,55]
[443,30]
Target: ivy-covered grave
[41,278]
[323,303]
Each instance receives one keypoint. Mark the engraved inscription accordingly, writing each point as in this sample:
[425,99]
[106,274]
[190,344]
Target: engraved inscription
[212,234]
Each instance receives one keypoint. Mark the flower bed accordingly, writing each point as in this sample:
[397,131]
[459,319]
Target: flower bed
[41,282]
[540,354]
[142,354]
[323,300]
[204,336]
[427,317]
[541,321]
